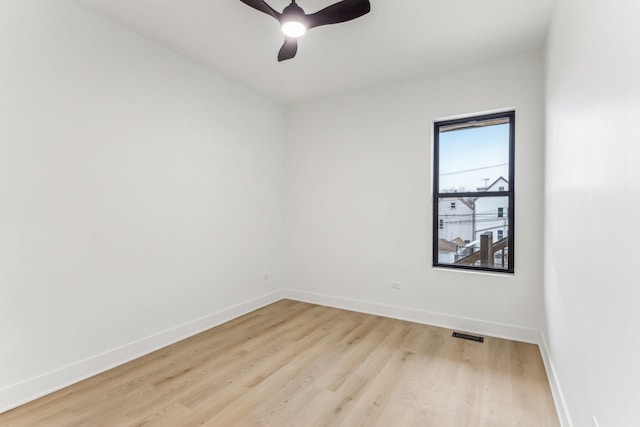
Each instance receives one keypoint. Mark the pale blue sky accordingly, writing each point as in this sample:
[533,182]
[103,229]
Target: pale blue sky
[469,156]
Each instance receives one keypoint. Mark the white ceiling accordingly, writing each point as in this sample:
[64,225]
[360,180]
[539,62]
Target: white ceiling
[397,40]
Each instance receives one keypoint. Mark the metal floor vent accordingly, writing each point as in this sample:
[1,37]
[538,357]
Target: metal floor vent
[468,337]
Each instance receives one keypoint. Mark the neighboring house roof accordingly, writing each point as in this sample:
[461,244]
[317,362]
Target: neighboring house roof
[498,180]
[458,241]
[468,203]
[446,246]
[494,183]
[449,246]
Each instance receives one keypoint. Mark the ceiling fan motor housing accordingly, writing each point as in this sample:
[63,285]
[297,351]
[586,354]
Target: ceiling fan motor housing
[293,13]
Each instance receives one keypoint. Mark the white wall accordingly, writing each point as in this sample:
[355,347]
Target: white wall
[138,191]
[592,213]
[359,194]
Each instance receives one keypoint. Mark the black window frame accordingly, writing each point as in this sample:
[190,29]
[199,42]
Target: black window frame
[510,193]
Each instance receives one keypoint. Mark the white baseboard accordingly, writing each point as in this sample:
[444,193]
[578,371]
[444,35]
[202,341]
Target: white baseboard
[463,324]
[556,390]
[26,391]
[21,393]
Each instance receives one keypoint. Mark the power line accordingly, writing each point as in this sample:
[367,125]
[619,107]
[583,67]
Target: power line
[473,170]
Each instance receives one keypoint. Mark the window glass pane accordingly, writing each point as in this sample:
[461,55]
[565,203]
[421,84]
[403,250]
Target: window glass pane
[474,158]
[474,234]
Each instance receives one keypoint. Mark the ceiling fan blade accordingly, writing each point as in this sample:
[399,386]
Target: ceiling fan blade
[262,7]
[288,49]
[345,10]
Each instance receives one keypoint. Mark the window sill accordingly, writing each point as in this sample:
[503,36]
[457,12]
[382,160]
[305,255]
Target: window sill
[471,271]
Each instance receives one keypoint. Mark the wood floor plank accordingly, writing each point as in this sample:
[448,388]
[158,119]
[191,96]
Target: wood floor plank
[298,364]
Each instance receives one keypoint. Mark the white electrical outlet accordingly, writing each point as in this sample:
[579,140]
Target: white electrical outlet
[595,422]
[395,285]
[265,276]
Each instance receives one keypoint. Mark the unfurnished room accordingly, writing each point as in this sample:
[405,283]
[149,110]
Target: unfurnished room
[319,213]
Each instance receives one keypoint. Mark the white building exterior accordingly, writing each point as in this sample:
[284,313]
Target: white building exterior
[492,213]
[455,219]
[465,219]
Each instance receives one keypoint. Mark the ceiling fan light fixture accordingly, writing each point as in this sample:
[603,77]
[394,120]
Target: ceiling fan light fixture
[293,20]
[293,29]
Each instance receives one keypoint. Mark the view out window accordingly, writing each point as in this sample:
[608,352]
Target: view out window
[474,171]
[453,205]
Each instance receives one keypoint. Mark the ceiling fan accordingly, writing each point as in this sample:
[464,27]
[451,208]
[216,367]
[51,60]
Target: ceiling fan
[295,22]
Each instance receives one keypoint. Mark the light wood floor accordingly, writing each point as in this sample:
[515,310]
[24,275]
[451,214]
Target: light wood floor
[297,364]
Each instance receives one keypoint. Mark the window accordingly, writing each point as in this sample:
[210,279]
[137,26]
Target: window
[474,174]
